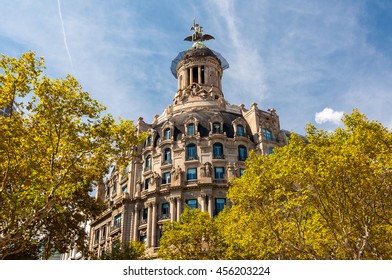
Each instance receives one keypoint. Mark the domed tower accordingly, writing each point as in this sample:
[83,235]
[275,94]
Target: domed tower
[199,72]
[194,148]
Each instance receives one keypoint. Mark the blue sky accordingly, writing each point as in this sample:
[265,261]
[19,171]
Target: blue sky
[310,60]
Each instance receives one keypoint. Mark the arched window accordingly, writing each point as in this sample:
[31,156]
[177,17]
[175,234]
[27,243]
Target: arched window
[167,156]
[148,163]
[166,134]
[216,128]
[217,150]
[191,152]
[240,130]
[242,153]
[190,129]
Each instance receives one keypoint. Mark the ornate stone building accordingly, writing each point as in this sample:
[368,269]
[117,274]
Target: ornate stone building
[194,148]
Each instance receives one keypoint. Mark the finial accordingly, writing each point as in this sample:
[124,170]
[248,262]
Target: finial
[198,36]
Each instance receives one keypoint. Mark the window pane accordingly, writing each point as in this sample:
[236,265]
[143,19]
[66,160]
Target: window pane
[191,152]
[167,156]
[219,173]
[242,153]
[219,205]
[218,150]
[191,129]
[240,130]
[166,134]
[191,174]
[166,178]
[165,208]
[192,203]
[216,127]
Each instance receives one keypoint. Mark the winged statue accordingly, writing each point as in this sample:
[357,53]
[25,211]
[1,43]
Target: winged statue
[198,34]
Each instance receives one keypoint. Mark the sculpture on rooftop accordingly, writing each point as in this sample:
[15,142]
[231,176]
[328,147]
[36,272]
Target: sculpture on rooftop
[198,35]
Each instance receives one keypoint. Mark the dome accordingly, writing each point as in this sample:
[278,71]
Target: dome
[203,118]
[197,53]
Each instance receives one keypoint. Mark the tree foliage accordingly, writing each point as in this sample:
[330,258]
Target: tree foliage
[195,237]
[125,251]
[330,198]
[53,150]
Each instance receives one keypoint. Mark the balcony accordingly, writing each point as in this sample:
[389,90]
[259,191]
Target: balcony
[115,228]
[189,158]
[164,217]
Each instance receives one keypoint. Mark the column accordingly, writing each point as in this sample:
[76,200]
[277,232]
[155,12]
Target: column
[190,75]
[211,205]
[172,201]
[203,202]
[136,223]
[186,78]
[178,208]
[154,225]
[149,224]
[199,74]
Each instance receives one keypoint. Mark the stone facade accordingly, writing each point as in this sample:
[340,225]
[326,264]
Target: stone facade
[195,148]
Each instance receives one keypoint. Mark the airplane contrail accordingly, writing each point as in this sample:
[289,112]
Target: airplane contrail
[65,37]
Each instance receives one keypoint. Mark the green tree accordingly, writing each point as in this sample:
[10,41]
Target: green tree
[125,251]
[329,198]
[53,150]
[195,237]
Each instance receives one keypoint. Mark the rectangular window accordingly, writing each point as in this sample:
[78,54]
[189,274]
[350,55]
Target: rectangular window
[191,174]
[219,205]
[166,178]
[147,183]
[124,188]
[219,173]
[165,208]
[96,240]
[191,129]
[117,221]
[103,232]
[192,203]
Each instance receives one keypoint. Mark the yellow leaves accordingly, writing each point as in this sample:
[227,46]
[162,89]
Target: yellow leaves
[52,154]
[315,200]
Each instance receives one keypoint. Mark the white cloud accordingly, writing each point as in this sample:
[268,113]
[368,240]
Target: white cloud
[328,115]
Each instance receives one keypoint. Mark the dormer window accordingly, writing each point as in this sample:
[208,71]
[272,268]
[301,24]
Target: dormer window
[166,134]
[240,130]
[190,129]
[216,128]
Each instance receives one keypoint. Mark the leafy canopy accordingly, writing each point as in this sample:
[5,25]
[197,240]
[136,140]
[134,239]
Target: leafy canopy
[330,198]
[55,145]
